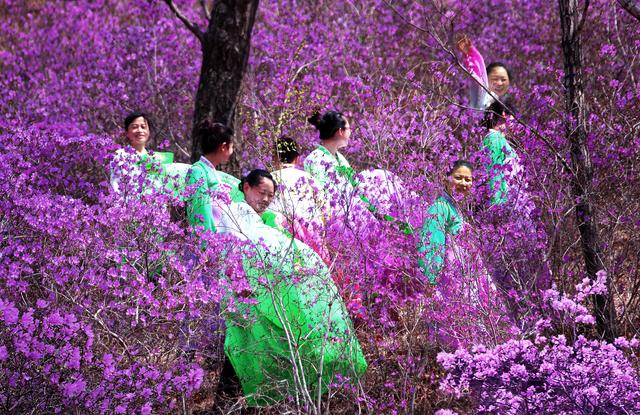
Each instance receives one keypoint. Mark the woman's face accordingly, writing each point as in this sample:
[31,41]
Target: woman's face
[138,133]
[499,80]
[259,197]
[461,180]
[344,133]
[226,150]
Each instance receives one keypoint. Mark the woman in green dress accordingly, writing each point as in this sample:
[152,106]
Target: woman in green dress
[296,336]
[467,309]
[513,211]
[327,165]
[504,165]
[443,221]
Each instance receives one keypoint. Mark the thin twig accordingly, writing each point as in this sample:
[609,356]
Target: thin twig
[205,9]
[188,23]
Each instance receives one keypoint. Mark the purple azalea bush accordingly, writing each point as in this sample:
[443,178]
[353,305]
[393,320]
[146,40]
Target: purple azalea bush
[103,295]
[551,372]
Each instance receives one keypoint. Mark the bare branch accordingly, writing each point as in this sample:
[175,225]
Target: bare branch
[632,7]
[457,63]
[188,23]
[582,19]
[205,9]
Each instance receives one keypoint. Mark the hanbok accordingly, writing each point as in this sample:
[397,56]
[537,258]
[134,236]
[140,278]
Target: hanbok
[511,204]
[128,168]
[301,203]
[347,193]
[466,305]
[504,167]
[201,210]
[336,178]
[382,188]
[296,336]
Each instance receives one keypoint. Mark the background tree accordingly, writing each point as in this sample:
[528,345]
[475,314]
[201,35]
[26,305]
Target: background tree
[225,52]
[572,21]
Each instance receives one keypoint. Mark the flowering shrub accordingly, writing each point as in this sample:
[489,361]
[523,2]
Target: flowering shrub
[102,295]
[551,373]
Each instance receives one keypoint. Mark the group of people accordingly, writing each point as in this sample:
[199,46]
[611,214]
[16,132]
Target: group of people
[281,214]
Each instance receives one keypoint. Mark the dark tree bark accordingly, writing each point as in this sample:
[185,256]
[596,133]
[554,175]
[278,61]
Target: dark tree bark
[225,53]
[633,7]
[572,21]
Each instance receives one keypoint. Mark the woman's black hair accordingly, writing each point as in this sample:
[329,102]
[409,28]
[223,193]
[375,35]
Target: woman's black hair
[136,114]
[494,65]
[212,135]
[328,124]
[254,178]
[287,149]
[496,112]
[459,163]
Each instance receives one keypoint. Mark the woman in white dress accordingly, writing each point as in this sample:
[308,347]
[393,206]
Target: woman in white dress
[299,201]
[127,162]
[299,197]
[328,166]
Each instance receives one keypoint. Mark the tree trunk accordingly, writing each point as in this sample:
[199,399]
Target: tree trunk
[225,53]
[576,131]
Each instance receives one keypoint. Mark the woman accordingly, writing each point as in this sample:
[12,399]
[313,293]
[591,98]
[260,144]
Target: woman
[245,217]
[335,175]
[299,201]
[127,163]
[300,198]
[513,211]
[503,165]
[217,148]
[278,345]
[444,220]
[496,77]
[330,168]
[466,308]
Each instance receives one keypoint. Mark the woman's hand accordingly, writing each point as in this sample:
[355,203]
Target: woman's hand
[464,44]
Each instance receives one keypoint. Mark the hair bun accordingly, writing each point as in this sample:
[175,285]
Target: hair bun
[205,124]
[315,119]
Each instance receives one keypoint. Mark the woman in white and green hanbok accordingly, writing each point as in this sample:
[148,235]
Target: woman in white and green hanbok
[129,163]
[135,170]
[504,166]
[343,190]
[297,336]
[328,166]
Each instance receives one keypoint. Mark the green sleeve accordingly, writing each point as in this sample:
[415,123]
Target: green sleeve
[432,238]
[269,218]
[345,169]
[199,207]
